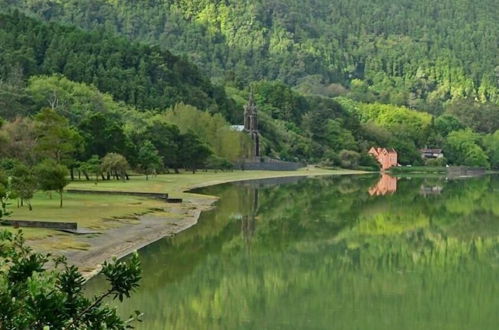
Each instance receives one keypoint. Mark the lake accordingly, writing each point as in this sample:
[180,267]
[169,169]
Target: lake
[344,252]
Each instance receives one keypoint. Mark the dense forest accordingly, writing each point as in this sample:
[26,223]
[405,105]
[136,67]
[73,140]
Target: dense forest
[424,55]
[145,77]
[330,81]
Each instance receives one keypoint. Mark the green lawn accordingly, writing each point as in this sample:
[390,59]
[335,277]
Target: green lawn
[88,210]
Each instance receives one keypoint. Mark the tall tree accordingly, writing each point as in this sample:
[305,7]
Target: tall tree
[24,183]
[194,152]
[52,177]
[148,159]
[56,139]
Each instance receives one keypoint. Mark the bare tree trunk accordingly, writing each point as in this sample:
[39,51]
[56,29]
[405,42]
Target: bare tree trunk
[60,194]
[86,175]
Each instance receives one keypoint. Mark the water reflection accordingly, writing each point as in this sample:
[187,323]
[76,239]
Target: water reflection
[386,185]
[430,190]
[324,253]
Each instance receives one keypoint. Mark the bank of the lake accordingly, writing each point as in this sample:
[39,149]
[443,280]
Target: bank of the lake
[136,221]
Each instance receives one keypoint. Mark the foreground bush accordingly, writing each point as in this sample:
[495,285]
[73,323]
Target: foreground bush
[38,291]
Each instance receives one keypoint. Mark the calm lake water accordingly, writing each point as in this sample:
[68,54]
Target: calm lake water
[350,252]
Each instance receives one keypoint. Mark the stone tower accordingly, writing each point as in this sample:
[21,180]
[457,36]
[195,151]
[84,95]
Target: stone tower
[251,125]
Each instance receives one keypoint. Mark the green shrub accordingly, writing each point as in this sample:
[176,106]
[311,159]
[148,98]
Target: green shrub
[349,159]
[436,162]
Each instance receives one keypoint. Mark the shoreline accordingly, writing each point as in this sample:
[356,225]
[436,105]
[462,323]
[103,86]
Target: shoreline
[123,240]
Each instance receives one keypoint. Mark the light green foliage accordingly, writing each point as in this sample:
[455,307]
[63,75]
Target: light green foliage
[214,130]
[72,99]
[399,120]
[115,165]
[462,148]
[384,125]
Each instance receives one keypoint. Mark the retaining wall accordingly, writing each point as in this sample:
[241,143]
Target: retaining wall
[127,193]
[41,224]
[268,164]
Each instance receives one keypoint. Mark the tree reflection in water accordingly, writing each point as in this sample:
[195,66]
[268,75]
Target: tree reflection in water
[324,253]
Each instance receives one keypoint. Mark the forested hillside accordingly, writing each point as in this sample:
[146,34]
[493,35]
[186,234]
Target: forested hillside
[330,80]
[142,76]
[417,53]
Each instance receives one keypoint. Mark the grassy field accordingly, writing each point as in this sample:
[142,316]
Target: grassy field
[103,211]
[98,212]
[177,184]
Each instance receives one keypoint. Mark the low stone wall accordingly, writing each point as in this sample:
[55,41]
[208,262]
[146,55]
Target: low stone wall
[271,181]
[41,224]
[126,193]
[268,164]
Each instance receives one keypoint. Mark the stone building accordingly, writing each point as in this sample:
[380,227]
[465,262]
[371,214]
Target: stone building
[251,125]
[386,157]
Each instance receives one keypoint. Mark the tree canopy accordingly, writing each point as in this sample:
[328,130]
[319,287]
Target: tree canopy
[424,55]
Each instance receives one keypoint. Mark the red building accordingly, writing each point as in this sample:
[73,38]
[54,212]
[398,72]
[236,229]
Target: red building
[386,157]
